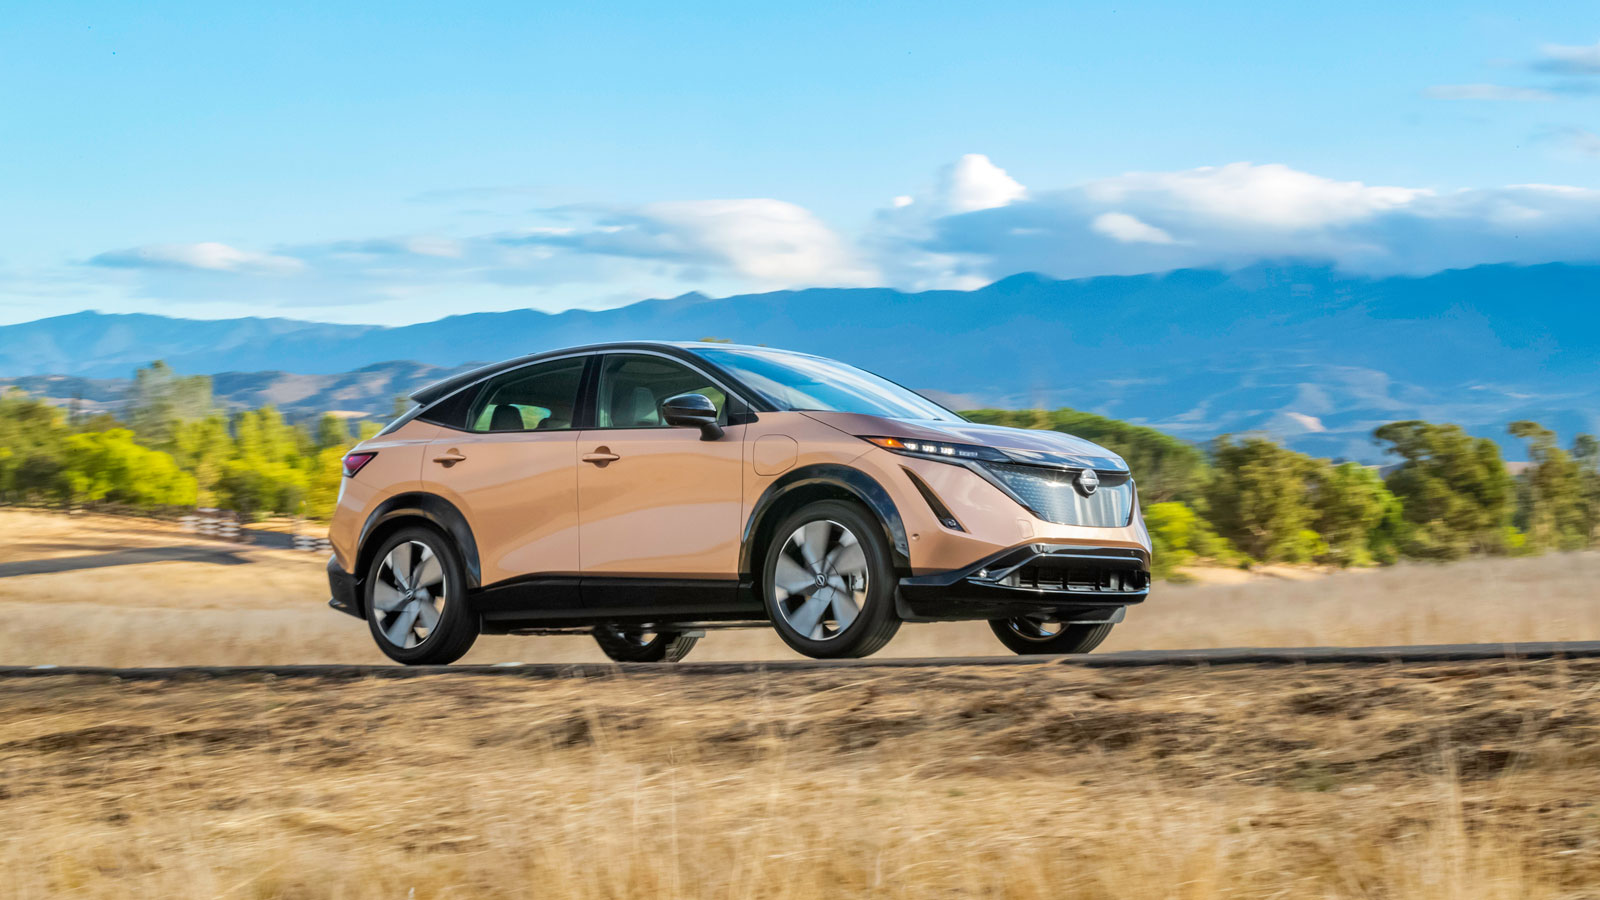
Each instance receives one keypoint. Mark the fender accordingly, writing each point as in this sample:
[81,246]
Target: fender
[853,481]
[440,512]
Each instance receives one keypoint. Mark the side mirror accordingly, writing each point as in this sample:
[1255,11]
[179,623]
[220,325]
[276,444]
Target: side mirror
[692,411]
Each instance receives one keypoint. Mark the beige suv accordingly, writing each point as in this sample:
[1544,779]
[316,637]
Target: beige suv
[646,493]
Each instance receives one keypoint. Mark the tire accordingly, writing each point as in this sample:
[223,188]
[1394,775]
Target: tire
[851,612]
[398,616]
[1029,637]
[625,644]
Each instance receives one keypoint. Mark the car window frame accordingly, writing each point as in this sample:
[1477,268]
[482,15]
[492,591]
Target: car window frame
[737,407]
[580,410]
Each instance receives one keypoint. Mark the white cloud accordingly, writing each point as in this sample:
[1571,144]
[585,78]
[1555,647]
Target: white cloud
[1234,215]
[1570,60]
[1487,92]
[1129,229]
[975,226]
[973,182]
[768,240]
[1250,195]
[209,256]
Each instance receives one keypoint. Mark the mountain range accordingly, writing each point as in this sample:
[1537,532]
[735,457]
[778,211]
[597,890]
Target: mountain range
[1313,355]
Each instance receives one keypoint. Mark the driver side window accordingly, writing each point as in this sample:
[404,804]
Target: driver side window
[632,389]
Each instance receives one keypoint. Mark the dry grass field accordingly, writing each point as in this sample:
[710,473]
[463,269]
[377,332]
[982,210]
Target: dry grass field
[1463,782]
[1434,783]
[268,607]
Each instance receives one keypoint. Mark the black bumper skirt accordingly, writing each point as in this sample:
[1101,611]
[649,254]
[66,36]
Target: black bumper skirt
[1079,584]
[345,589]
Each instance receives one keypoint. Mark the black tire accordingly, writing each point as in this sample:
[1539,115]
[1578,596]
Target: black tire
[625,644]
[1023,636]
[837,633]
[456,625]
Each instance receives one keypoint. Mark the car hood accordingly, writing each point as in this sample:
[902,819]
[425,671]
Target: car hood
[1023,444]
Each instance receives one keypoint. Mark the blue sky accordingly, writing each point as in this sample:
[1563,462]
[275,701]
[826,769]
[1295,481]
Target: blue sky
[399,162]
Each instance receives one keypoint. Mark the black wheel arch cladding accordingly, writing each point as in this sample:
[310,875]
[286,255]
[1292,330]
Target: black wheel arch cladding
[822,481]
[433,509]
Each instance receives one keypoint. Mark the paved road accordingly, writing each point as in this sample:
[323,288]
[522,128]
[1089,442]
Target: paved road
[1229,656]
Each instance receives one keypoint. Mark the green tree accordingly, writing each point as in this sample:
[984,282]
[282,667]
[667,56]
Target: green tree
[1259,498]
[161,399]
[1355,514]
[332,431]
[1456,492]
[110,465]
[203,447]
[1167,468]
[1179,536]
[1551,508]
[1586,451]
[32,434]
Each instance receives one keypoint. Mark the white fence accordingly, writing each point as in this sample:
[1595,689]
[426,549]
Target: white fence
[223,524]
[215,523]
[312,542]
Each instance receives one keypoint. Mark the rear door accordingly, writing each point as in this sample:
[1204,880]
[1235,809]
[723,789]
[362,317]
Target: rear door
[656,502]
[510,466]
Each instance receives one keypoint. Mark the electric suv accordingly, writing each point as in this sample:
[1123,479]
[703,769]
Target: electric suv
[648,492]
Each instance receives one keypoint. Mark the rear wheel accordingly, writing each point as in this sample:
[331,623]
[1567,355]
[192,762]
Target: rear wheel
[1029,636]
[416,601]
[636,644]
[828,582]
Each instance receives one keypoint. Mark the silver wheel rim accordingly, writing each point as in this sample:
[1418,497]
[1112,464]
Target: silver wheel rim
[820,582]
[1036,629]
[408,594]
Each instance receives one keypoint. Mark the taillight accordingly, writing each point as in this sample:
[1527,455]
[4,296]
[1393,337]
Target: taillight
[354,462]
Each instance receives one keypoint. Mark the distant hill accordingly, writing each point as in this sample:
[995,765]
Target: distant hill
[368,392]
[1313,355]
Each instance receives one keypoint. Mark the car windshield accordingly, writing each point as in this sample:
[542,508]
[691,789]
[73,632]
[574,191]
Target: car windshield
[794,381]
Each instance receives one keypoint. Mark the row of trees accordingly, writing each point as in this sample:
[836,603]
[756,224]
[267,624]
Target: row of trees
[1250,499]
[1243,498]
[171,447]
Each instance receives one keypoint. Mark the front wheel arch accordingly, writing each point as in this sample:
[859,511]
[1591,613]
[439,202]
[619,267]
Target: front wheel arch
[808,484]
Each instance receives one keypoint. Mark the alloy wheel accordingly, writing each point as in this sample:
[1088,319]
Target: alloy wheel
[820,581]
[409,595]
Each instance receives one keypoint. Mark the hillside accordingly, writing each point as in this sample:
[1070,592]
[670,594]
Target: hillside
[1311,354]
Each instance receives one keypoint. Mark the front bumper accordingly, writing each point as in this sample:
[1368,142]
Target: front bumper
[345,588]
[1076,584]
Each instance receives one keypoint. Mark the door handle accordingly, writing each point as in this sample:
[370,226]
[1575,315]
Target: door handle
[449,458]
[601,456]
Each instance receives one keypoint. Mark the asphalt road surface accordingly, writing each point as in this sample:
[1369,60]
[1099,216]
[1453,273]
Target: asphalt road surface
[1226,656]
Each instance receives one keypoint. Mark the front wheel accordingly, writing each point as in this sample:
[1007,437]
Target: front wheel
[1029,636]
[829,583]
[416,599]
[634,644]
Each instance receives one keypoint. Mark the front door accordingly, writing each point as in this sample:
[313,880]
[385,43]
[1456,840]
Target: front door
[510,469]
[655,501]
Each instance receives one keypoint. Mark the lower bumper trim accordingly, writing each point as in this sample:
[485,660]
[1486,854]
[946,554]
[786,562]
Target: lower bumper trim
[1070,584]
[345,589]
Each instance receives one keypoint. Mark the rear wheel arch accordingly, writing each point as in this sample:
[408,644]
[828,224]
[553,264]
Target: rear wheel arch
[808,484]
[411,508]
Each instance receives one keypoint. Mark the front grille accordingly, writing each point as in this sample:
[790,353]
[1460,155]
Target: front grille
[1052,496]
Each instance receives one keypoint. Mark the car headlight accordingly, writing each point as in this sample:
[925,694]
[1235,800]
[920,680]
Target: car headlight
[939,450]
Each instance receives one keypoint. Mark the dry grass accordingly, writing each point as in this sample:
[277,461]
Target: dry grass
[270,609]
[1433,783]
[1462,782]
